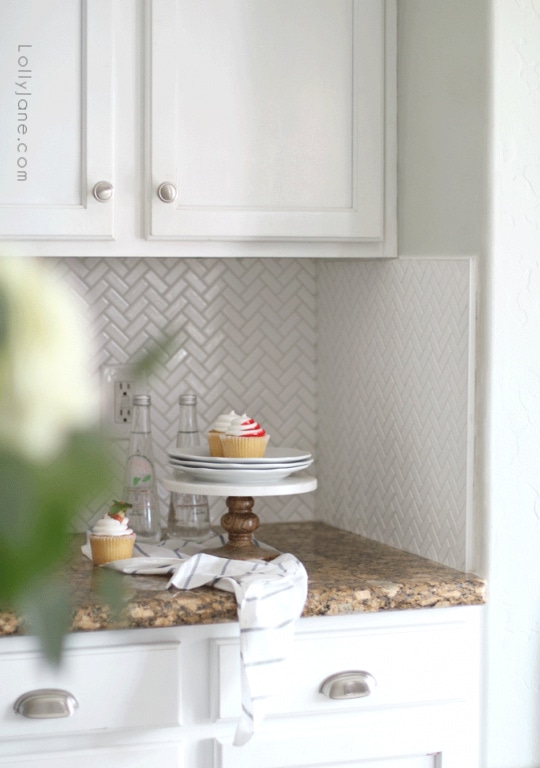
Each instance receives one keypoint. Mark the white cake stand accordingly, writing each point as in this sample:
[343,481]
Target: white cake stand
[240,521]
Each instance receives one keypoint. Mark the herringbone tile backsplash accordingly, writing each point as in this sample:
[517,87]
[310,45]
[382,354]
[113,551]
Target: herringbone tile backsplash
[363,363]
[394,397]
[249,332]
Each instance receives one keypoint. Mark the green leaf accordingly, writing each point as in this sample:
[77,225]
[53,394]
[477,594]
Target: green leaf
[48,608]
[119,506]
[39,503]
[147,478]
[110,587]
[17,481]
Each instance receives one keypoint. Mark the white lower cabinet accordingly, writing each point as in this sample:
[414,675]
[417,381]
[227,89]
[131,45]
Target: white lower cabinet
[171,697]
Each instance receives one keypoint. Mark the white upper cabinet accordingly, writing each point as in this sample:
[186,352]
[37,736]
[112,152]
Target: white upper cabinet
[211,127]
[56,131]
[267,119]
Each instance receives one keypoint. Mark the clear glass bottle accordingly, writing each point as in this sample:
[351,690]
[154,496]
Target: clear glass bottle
[189,514]
[140,479]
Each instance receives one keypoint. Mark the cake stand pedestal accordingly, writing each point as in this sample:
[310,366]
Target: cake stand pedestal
[240,521]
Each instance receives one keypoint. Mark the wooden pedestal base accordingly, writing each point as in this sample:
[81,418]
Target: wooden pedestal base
[241,522]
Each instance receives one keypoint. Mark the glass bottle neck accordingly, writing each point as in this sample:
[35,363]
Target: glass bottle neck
[188,430]
[141,419]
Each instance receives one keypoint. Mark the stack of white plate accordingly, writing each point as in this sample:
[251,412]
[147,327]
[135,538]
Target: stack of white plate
[277,464]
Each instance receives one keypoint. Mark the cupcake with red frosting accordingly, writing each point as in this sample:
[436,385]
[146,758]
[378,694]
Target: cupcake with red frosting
[111,538]
[244,439]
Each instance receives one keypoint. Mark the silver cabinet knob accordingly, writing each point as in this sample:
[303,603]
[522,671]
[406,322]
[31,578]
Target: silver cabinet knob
[353,684]
[167,192]
[103,191]
[46,703]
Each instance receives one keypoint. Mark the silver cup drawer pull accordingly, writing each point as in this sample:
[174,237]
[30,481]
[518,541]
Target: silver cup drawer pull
[46,703]
[353,684]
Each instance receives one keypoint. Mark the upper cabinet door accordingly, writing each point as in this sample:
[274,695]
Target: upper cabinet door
[267,119]
[56,137]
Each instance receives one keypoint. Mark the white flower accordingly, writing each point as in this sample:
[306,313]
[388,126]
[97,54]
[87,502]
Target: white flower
[45,388]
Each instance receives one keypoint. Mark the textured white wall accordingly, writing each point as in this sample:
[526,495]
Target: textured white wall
[442,127]
[513,374]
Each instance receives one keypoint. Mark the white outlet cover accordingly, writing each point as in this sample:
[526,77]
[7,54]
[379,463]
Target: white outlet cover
[109,375]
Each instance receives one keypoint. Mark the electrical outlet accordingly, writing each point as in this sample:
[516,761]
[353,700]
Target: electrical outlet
[119,384]
[123,400]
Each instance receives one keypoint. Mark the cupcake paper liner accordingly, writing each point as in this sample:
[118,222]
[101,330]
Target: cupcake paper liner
[108,548]
[244,447]
[214,443]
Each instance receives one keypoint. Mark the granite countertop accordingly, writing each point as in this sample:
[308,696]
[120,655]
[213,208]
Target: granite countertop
[347,574]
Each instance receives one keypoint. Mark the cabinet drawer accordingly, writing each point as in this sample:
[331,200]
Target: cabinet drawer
[410,737]
[115,687]
[410,666]
[139,756]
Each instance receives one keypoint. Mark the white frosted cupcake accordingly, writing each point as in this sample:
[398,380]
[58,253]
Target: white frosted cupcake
[219,428]
[244,439]
[111,538]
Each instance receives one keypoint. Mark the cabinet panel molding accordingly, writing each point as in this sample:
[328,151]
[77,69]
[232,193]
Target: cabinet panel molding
[135,756]
[268,130]
[127,686]
[409,665]
[56,126]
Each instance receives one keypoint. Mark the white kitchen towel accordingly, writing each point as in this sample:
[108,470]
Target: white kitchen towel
[270,597]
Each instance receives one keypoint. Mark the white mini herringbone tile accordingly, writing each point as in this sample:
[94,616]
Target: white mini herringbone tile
[249,333]
[393,352]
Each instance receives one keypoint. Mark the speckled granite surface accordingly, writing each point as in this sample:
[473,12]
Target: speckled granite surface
[347,574]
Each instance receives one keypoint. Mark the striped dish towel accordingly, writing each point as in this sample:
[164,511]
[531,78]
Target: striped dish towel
[270,597]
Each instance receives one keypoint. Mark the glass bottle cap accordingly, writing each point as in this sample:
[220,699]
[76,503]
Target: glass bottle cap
[141,400]
[187,399]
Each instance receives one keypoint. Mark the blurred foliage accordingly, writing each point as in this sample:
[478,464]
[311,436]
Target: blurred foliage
[53,459]
[37,506]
